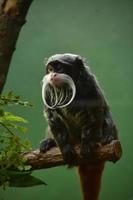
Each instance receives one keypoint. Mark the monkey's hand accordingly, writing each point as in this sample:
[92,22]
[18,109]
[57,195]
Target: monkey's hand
[69,155]
[47,144]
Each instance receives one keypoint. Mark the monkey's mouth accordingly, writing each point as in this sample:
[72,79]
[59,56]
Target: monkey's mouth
[58,96]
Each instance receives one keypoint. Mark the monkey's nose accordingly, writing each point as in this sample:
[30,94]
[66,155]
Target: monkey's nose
[55,79]
[53,75]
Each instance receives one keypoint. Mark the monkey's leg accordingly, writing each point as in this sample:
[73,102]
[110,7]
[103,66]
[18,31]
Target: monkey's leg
[61,135]
[110,131]
[93,131]
[87,142]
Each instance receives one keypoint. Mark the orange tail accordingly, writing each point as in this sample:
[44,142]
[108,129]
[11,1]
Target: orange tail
[90,178]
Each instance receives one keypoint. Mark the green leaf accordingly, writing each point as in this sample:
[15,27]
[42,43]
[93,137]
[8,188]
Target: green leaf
[10,117]
[27,167]
[25,181]
[10,94]
[20,168]
[22,129]
[21,179]
[2,112]
[27,144]
[14,173]
[11,144]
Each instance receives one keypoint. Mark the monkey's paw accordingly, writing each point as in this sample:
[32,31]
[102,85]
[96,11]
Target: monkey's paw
[47,144]
[69,155]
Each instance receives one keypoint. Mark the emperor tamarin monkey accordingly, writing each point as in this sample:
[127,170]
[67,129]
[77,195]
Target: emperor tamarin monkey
[77,113]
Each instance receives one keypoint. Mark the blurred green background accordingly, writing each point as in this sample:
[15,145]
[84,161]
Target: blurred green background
[102,32]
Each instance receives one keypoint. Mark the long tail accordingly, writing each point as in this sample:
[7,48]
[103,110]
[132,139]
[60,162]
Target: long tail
[90,178]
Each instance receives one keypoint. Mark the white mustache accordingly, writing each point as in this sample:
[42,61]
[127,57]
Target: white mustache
[58,97]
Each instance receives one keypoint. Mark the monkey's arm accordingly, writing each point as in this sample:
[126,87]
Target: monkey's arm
[48,142]
[91,132]
[61,136]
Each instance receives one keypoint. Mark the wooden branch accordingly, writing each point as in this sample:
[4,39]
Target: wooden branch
[12,18]
[52,158]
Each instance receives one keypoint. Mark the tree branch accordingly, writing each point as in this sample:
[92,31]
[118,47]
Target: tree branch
[12,18]
[52,158]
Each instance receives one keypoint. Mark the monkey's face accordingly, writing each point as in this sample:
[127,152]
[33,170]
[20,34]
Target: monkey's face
[58,88]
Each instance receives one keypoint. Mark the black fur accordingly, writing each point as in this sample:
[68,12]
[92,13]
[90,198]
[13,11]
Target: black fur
[87,120]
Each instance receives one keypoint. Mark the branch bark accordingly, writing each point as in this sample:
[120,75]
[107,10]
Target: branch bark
[12,18]
[52,158]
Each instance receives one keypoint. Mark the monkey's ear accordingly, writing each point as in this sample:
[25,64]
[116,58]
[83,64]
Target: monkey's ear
[79,62]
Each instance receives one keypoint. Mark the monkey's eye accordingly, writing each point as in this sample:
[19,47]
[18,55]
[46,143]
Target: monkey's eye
[50,69]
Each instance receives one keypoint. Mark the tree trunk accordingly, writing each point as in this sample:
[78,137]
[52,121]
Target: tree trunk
[12,18]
